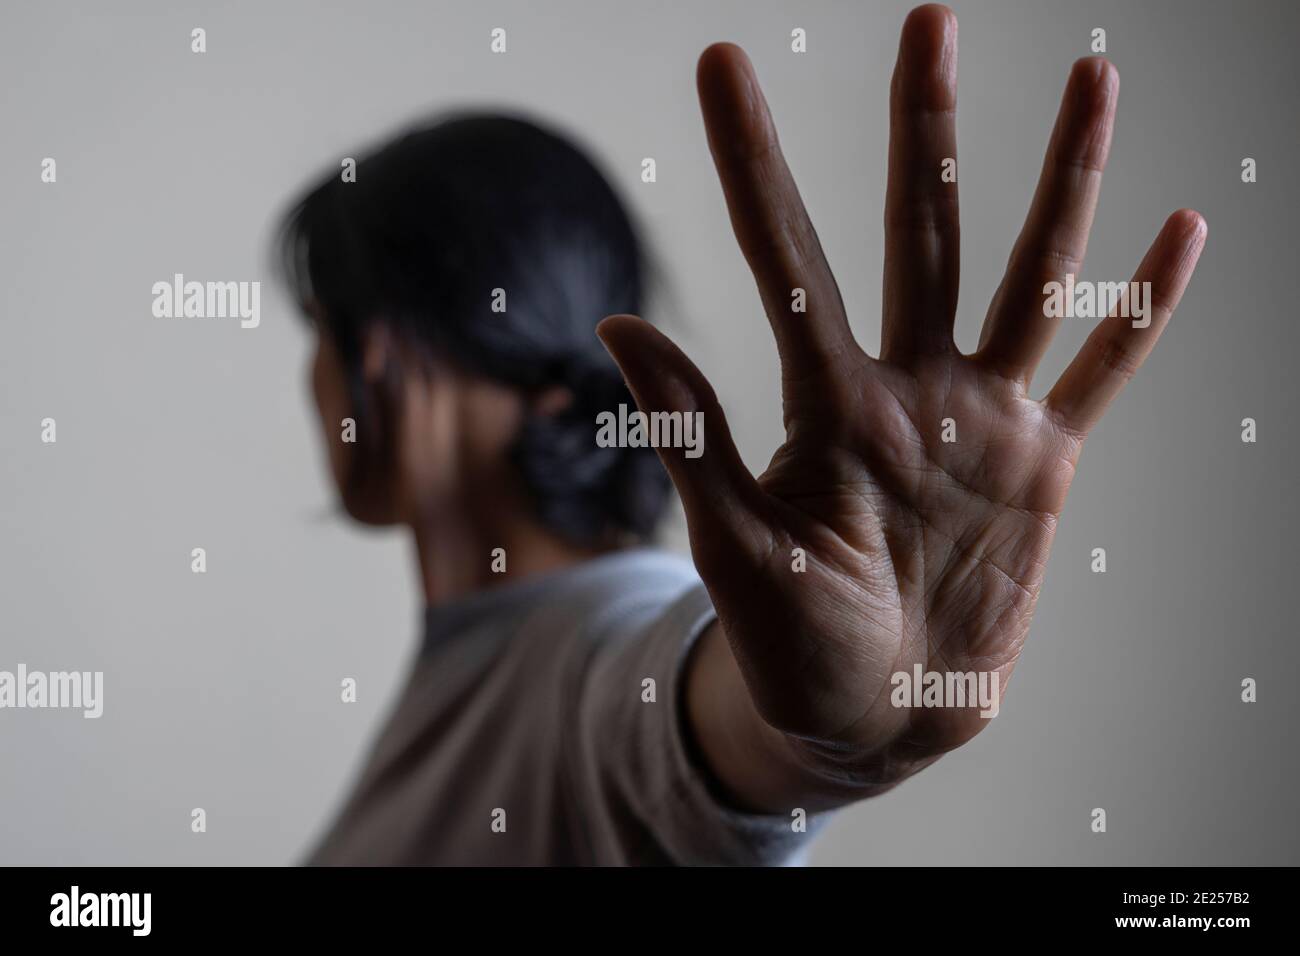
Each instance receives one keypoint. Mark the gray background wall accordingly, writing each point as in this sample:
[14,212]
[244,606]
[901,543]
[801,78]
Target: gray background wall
[222,689]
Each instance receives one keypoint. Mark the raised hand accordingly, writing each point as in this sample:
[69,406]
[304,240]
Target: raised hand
[918,550]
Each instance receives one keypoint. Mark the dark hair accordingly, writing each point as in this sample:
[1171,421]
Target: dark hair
[436,221]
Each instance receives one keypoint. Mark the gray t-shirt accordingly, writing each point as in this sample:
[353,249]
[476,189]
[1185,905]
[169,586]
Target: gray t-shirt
[523,736]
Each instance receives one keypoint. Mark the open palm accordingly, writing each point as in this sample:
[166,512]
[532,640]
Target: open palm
[921,488]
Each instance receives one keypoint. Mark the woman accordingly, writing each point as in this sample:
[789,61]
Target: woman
[581,699]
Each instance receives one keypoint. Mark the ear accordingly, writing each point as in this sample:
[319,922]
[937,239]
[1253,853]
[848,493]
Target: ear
[551,401]
[377,351]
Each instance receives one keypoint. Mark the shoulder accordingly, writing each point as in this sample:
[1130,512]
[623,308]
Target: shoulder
[617,596]
[623,591]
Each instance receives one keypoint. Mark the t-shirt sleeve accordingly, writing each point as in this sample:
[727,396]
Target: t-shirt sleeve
[644,797]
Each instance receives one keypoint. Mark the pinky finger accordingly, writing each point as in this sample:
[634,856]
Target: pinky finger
[1116,348]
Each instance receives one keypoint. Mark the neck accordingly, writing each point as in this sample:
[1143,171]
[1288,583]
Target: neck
[455,554]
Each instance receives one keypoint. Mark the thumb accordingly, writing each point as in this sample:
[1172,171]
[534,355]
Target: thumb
[721,498]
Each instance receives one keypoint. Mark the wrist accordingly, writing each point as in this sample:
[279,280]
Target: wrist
[835,775]
[756,767]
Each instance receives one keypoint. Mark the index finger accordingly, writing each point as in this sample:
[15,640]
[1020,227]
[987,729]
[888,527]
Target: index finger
[768,215]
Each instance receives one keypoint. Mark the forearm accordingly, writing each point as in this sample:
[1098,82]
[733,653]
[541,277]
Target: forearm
[761,769]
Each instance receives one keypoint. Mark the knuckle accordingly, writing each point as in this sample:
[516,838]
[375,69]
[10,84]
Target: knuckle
[1114,356]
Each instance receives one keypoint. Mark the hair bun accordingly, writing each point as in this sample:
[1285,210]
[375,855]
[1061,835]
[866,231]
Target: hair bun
[583,485]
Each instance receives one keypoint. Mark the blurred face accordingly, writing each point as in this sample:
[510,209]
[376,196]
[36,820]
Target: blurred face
[329,389]
[450,434]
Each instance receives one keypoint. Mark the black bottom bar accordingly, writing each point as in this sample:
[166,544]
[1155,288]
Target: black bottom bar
[436,906]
